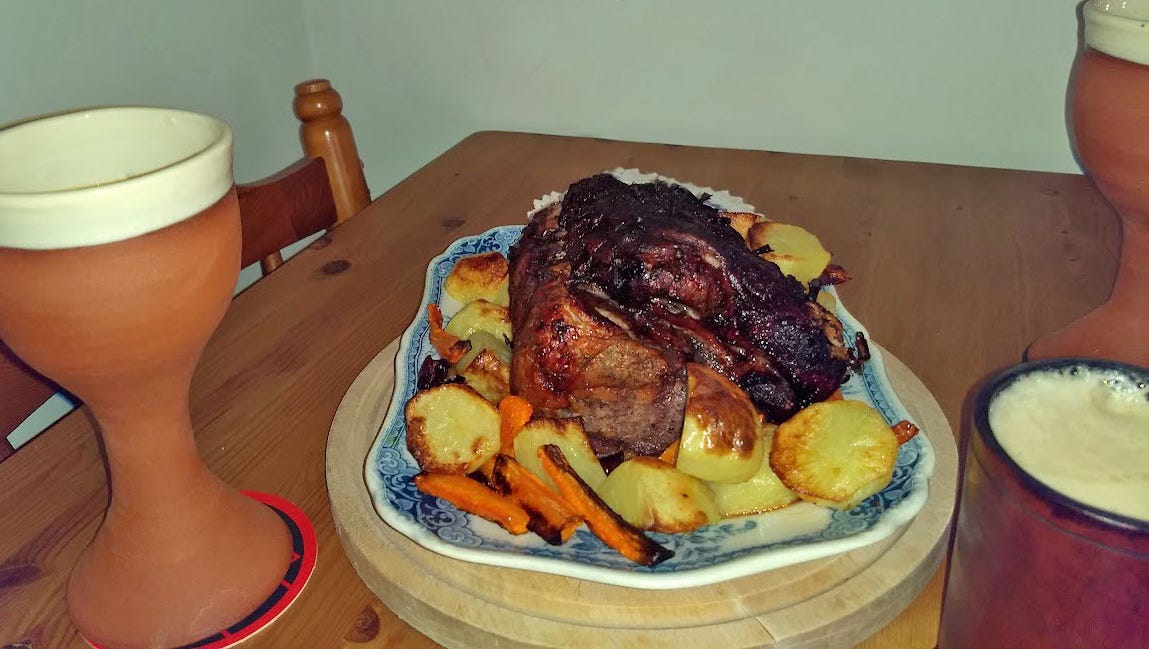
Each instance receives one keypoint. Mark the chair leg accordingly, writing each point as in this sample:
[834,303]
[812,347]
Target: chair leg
[271,262]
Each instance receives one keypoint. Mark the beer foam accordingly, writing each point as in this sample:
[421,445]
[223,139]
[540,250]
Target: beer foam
[1119,28]
[108,174]
[1082,432]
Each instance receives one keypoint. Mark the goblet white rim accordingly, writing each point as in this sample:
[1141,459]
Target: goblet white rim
[1121,31]
[163,165]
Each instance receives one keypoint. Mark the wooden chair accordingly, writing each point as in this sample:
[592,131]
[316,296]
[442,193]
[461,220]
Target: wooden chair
[318,192]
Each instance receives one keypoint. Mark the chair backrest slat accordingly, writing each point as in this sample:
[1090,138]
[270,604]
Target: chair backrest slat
[284,208]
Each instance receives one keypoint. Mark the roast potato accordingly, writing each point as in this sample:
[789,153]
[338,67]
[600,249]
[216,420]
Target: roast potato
[480,277]
[652,495]
[569,436]
[835,453]
[720,436]
[828,301]
[796,251]
[451,429]
[482,341]
[762,492]
[743,221]
[489,375]
[481,315]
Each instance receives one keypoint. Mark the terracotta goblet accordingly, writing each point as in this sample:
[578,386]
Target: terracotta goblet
[119,251]
[1110,116]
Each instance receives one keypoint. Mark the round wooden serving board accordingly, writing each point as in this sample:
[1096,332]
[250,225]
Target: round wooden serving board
[833,602]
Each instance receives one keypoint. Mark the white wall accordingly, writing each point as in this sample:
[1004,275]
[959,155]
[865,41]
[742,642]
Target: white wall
[236,60]
[976,82]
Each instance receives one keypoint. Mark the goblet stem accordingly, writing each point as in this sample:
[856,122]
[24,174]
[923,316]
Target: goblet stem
[1132,285]
[1116,330]
[180,552]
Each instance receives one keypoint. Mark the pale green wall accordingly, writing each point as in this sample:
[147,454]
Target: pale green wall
[975,82]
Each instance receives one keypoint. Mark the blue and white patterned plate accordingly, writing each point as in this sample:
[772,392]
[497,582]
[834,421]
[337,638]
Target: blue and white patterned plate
[732,548]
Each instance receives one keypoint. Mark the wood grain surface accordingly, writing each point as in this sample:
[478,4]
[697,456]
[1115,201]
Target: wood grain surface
[832,602]
[956,270]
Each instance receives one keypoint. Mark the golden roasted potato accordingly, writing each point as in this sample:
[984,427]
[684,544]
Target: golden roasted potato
[835,453]
[743,221]
[828,301]
[482,341]
[762,492]
[481,315]
[480,277]
[451,429]
[569,436]
[796,251]
[720,438]
[652,495]
[489,375]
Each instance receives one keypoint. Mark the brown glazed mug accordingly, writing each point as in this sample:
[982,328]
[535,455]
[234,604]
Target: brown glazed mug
[1031,566]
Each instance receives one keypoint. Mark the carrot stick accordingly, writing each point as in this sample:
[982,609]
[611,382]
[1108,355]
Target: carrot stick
[451,348]
[670,455]
[485,473]
[514,413]
[904,431]
[628,540]
[472,497]
[551,517]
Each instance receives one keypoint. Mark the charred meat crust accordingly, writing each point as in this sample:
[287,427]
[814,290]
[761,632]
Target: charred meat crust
[614,290]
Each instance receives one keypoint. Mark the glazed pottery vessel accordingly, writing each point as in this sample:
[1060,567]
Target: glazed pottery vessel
[1032,566]
[1110,117]
[119,251]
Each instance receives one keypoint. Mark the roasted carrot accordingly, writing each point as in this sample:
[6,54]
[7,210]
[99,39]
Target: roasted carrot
[836,396]
[904,431]
[451,348]
[670,455]
[608,526]
[551,517]
[485,472]
[472,497]
[514,413]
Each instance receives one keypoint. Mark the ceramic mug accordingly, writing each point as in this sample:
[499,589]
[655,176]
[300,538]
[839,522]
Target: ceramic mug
[1048,553]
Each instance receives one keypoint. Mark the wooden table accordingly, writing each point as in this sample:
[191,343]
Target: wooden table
[956,270]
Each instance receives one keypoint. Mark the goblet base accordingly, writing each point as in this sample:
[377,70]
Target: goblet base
[304,553]
[170,576]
